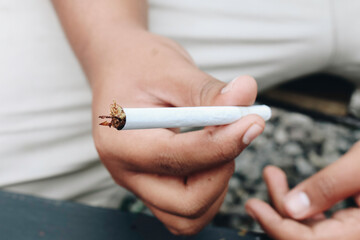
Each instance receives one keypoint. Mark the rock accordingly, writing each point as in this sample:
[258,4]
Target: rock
[323,161]
[280,135]
[292,149]
[229,199]
[234,183]
[248,167]
[298,120]
[316,160]
[260,141]
[304,167]
[299,135]
[330,145]
[269,130]
[280,160]
[316,136]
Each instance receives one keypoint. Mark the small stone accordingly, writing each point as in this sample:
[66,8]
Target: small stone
[330,146]
[269,129]
[316,160]
[229,199]
[304,167]
[234,183]
[317,135]
[280,160]
[249,168]
[260,141]
[292,149]
[280,135]
[298,120]
[298,134]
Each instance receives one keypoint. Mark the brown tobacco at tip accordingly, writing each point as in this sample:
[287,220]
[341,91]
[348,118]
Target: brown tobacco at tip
[117,115]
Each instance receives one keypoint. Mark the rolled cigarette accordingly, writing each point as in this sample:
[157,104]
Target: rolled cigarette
[175,117]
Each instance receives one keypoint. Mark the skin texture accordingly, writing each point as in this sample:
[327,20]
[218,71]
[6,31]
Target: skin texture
[334,183]
[181,177]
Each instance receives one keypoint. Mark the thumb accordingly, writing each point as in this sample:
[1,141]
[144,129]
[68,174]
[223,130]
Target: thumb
[331,185]
[201,89]
[241,91]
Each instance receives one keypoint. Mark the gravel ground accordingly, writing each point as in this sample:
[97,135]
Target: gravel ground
[296,143]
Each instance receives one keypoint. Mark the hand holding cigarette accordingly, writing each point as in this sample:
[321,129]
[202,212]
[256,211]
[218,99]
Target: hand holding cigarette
[181,177]
[144,118]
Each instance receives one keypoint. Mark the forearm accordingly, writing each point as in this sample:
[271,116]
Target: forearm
[98,30]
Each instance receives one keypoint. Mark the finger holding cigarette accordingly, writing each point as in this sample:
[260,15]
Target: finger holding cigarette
[175,117]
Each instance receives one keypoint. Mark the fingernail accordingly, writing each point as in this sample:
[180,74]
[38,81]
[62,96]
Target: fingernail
[228,86]
[253,131]
[297,204]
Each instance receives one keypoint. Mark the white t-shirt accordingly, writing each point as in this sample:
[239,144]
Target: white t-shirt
[46,147]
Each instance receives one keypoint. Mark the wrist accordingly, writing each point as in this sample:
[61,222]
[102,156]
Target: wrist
[104,54]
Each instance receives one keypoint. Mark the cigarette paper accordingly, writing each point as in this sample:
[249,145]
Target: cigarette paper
[175,117]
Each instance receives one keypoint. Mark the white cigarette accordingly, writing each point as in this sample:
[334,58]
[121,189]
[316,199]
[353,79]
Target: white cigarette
[175,117]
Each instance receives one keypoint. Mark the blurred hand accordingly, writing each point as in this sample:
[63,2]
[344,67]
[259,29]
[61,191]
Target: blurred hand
[298,214]
[181,177]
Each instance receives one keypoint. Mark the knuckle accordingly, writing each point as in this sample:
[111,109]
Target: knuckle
[172,165]
[204,92]
[208,89]
[225,151]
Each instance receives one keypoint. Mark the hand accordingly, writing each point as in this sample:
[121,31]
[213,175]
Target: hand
[181,177]
[308,200]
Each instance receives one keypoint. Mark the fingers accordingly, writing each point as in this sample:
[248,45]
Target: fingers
[274,224]
[277,185]
[194,151]
[334,183]
[162,151]
[185,197]
[188,226]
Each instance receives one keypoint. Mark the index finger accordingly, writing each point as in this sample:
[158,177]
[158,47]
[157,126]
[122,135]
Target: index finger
[162,151]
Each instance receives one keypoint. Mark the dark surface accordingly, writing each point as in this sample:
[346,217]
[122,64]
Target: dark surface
[27,217]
